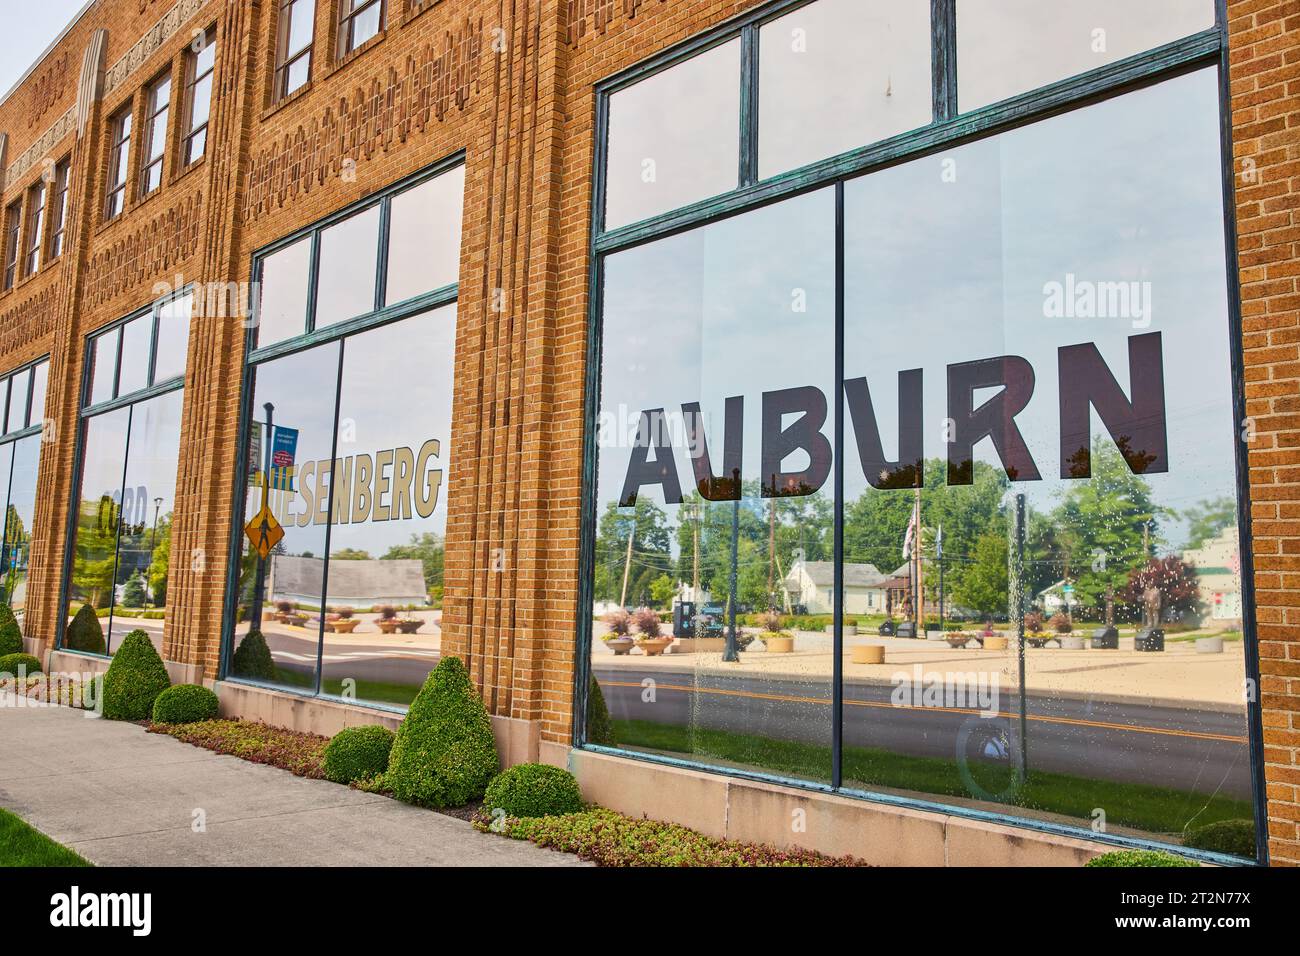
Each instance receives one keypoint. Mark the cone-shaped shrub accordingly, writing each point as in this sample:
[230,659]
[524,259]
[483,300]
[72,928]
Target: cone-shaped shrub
[600,729]
[85,633]
[533,790]
[185,704]
[358,753]
[253,658]
[13,663]
[134,679]
[11,638]
[444,754]
[1226,836]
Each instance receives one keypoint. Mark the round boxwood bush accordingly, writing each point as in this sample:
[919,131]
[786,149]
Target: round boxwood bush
[252,658]
[134,679]
[1138,858]
[358,753]
[600,729]
[184,704]
[85,633]
[444,754]
[13,663]
[533,790]
[11,637]
[1227,836]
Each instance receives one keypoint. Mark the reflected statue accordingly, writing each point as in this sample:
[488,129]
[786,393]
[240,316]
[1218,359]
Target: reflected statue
[1151,606]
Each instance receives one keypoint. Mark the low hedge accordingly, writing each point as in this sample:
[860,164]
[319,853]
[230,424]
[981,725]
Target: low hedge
[1236,837]
[11,636]
[134,679]
[85,633]
[1138,858]
[185,704]
[358,753]
[13,663]
[533,790]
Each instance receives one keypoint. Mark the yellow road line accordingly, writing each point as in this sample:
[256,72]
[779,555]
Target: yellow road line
[1072,721]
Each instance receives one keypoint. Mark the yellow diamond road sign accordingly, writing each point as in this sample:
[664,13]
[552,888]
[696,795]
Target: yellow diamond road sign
[264,531]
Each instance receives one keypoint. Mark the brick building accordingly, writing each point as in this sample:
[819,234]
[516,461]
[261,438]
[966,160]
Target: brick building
[419,230]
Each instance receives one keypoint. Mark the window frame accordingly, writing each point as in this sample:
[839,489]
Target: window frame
[120,132]
[29,429]
[59,209]
[147,144]
[33,229]
[349,10]
[192,79]
[949,128]
[13,227]
[311,337]
[284,59]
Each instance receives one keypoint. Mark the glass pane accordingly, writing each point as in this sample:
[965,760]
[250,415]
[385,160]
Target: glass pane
[674,137]
[206,57]
[103,357]
[300,25]
[348,254]
[136,338]
[95,537]
[299,73]
[283,593]
[384,604]
[19,383]
[18,519]
[838,74]
[424,236]
[173,338]
[1005,47]
[717,365]
[365,25]
[40,379]
[282,303]
[1089,377]
[202,104]
[148,498]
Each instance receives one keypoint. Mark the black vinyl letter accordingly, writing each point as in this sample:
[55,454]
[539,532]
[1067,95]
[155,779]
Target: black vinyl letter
[710,487]
[908,471]
[1136,427]
[805,433]
[995,419]
[652,430]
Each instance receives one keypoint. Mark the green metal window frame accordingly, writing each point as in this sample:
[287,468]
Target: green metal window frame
[949,128]
[310,338]
[28,430]
[86,412]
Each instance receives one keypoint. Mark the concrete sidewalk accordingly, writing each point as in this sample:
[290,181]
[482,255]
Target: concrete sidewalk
[122,797]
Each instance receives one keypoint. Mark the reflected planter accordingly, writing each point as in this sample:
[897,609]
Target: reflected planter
[1209,645]
[1069,642]
[995,642]
[957,640]
[779,644]
[654,646]
[386,626]
[868,654]
[621,645]
[1105,639]
[411,626]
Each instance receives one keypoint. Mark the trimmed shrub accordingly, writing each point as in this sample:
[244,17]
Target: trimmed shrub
[358,753]
[1227,836]
[1138,858]
[600,729]
[11,637]
[10,664]
[444,753]
[185,704]
[252,658]
[85,633]
[533,790]
[134,679]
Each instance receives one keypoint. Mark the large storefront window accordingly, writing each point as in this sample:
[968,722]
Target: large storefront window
[953,443]
[348,441]
[129,448]
[20,452]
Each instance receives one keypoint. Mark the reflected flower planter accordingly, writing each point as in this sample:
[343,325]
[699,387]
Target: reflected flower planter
[409,626]
[388,626]
[654,646]
[621,645]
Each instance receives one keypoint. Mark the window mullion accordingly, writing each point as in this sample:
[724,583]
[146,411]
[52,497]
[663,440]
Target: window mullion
[943,33]
[749,106]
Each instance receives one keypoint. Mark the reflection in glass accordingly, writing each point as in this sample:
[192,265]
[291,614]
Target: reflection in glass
[278,620]
[1005,47]
[173,338]
[838,74]
[16,416]
[282,306]
[137,335]
[729,331]
[19,513]
[348,256]
[424,236]
[95,536]
[103,366]
[40,380]
[385,575]
[674,137]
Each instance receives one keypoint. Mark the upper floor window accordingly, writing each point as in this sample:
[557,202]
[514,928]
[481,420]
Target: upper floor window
[59,208]
[293,46]
[117,163]
[13,217]
[198,97]
[359,20]
[35,218]
[155,134]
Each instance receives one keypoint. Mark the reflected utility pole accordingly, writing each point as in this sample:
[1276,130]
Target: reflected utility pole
[1018,591]
[731,653]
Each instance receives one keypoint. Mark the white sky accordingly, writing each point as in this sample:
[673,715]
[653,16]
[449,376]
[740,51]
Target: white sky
[26,29]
